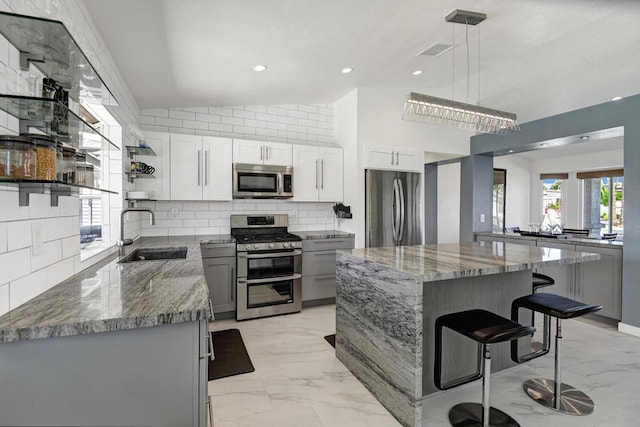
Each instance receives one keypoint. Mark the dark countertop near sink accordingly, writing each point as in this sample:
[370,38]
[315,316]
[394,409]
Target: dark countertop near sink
[323,234]
[112,296]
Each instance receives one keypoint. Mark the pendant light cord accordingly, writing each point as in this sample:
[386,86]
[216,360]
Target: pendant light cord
[466,36]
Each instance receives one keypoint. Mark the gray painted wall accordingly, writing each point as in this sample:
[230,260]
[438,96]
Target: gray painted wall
[625,113]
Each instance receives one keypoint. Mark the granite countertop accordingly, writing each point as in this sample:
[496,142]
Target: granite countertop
[598,243]
[112,296]
[323,234]
[450,261]
[216,239]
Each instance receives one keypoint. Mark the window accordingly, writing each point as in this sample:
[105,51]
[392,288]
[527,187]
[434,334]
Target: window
[552,195]
[499,192]
[603,201]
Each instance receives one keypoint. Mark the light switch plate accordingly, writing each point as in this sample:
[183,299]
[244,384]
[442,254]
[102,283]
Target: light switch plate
[174,213]
[481,217]
[37,239]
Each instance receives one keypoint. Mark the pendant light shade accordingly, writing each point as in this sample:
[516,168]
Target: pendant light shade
[431,109]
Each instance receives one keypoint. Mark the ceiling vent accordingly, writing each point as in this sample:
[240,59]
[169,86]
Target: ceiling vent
[436,49]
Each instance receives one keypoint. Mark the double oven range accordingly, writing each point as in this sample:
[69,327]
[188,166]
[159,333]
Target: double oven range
[268,266]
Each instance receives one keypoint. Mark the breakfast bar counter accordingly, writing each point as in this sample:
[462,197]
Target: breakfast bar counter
[388,300]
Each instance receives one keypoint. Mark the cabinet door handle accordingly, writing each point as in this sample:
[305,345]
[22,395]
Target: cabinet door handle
[231,283]
[199,168]
[206,167]
[397,158]
[210,411]
[316,174]
[322,174]
[212,355]
[266,148]
[392,158]
[261,152]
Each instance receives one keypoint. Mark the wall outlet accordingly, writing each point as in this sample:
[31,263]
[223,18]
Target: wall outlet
[37,239]
[174,213]
[482,217]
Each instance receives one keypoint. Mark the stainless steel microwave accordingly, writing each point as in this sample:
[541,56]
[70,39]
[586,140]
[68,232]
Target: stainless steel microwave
[262,181]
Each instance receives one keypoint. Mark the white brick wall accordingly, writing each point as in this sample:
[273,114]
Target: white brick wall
[24,275]
[297,124]
[195,218]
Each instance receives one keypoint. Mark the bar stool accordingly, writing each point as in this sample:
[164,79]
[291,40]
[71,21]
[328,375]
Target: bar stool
[485,328]
[553,393]
[539,281]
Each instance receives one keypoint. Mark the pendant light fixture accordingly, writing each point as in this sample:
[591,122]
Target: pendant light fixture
[431,109]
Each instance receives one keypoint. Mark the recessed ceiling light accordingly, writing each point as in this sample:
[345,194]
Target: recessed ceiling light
[616,98]
[417,72]
[346,70]
[260,67]
[510,151]
[583,137]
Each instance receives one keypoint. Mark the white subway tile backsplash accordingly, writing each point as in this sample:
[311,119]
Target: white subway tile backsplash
[4,299]
[195,223]
[58,228]
[232,120]
[220,127]
[69,206]
[147,120]
[184,115]
[27,287]
[51,253]
[157,112]
[206,117]
[202,110]
[70,246]
[60,271]
[221,111]
[3,237]
[256,108]
[195,125]
[182,231]
[195,206]
[15,264]
[244,114]
[19,234]
[207,230]
[10,210]
[177,123]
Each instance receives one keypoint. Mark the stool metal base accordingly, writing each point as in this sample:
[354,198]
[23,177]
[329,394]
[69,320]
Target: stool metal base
[470,414]
[572,401]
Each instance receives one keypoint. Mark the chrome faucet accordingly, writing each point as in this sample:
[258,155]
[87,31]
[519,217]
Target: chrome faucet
[125,242]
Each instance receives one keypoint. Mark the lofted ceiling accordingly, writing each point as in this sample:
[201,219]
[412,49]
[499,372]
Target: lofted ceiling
[533,57]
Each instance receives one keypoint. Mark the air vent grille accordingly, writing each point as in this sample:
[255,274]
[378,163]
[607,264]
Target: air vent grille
[436,49]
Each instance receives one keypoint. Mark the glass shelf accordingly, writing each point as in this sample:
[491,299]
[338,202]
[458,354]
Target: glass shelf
[139,151]
[51,49]
[38,113]
[56,188]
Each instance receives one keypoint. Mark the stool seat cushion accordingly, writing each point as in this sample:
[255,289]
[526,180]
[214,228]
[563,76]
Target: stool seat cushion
[541,280]
[555,305]
[484,326]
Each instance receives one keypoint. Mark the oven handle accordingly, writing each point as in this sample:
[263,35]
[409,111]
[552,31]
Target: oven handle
[270,279]
[244,255]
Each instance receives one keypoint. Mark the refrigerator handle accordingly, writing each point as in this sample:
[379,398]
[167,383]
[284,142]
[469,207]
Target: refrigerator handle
[402,212]
[395,208]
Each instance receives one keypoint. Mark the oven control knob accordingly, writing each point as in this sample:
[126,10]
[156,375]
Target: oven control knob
[256,246]
[271,245]
[285,245]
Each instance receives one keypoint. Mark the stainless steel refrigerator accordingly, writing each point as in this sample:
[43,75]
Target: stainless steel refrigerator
[393,205]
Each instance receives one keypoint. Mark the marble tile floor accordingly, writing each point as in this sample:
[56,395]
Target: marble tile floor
[299,382]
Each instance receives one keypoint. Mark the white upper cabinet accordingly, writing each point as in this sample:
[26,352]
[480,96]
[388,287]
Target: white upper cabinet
[392,158]
[261,153]
[161,186]
[317,174]
[201,167]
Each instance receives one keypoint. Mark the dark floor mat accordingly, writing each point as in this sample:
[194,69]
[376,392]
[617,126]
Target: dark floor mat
[331,339]
[231,357]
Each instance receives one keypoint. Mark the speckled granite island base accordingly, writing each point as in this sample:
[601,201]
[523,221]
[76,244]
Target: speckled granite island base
[389,298]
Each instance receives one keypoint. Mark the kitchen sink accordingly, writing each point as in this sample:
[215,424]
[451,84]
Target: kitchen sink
[155,254]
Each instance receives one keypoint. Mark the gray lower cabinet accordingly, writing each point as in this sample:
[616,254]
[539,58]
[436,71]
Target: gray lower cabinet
[600,282]
[593,282]
[319,269]
[220,272]
[148,376]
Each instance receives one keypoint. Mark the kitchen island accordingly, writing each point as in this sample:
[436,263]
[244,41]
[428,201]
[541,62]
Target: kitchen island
[116,344]
[389,298]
